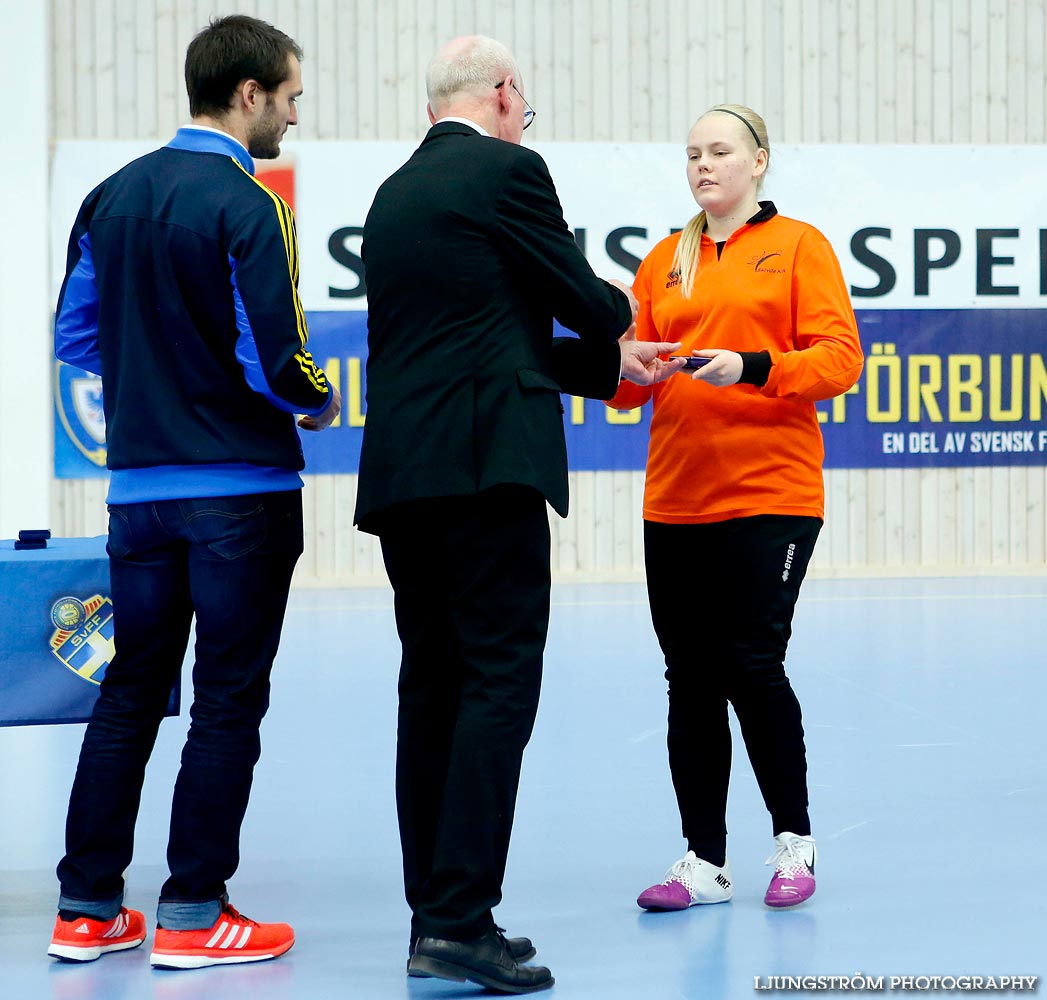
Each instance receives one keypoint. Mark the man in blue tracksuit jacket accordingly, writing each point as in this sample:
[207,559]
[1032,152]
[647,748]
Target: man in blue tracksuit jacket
[181,290]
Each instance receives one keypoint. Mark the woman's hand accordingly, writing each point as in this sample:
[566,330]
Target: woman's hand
[724,369]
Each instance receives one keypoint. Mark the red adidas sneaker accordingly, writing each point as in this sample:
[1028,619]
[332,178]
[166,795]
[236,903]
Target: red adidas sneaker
[84,939]
[231,940]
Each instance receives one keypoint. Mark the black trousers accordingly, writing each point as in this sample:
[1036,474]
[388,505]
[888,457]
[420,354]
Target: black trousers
[471,582]
[722,598]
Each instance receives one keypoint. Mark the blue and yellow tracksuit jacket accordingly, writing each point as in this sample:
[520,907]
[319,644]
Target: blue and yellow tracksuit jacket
[181,291]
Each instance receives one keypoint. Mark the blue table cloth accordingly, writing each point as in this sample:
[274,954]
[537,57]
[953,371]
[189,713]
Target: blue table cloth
[56,631]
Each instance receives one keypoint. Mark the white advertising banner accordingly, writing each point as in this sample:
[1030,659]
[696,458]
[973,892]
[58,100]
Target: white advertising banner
[915,227]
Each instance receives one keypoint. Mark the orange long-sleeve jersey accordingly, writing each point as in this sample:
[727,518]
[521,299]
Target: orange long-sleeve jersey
[740,450]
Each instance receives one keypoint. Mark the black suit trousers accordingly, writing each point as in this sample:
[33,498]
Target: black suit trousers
[471,581]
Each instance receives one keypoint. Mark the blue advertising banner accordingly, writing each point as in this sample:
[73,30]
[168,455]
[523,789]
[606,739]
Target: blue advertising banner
[941,387]
[79,423]
[57,626]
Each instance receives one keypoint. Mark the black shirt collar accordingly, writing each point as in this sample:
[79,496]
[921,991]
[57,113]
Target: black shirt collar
[767,211]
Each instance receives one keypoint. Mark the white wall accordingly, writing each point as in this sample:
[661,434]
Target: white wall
[25,314]
[865,71]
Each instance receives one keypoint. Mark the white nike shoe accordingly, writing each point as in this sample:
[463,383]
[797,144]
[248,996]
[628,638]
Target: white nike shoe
[793,879]
[690,882]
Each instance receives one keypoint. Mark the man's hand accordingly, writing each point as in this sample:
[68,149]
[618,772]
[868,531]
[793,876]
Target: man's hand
[640,361]
[326,416]
[633,304]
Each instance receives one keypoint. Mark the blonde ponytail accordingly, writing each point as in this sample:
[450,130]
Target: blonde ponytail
[688,253]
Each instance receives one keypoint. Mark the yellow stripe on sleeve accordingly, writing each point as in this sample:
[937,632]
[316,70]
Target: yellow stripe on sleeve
[289,233]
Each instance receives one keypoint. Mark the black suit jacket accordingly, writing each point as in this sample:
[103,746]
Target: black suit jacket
[468,260]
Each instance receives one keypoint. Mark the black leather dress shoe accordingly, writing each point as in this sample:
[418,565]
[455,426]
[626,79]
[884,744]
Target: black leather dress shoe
[486,961]
[521,948]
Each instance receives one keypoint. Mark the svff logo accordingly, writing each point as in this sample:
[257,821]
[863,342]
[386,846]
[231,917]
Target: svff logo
[83,636]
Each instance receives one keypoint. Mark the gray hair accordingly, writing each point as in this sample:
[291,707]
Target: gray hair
[467,66]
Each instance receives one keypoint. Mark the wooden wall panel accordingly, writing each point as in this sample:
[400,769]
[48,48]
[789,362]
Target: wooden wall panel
[821,71]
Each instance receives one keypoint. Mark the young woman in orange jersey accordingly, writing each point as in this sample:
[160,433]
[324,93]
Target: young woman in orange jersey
[734,496]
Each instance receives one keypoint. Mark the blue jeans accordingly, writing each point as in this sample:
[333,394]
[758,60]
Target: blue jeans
[229,561]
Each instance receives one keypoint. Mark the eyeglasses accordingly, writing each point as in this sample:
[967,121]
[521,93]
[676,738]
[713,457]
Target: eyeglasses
[529,112]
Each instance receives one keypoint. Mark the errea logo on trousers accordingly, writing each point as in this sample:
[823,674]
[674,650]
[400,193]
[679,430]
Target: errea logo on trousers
[788,561]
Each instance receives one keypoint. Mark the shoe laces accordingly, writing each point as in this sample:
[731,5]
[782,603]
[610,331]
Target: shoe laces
[234,914]
[788,859]
[681,872]
[499,933]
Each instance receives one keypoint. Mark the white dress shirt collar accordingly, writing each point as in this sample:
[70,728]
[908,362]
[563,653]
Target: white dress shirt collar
[464,121]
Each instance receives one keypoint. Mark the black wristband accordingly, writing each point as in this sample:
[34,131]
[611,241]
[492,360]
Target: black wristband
[756,367]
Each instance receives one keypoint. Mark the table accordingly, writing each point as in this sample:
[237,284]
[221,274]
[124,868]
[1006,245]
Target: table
[56,631]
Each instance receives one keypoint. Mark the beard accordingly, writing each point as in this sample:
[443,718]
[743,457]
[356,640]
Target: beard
[264,141]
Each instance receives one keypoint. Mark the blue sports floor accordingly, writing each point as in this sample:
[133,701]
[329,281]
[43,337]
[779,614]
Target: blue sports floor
[924,705]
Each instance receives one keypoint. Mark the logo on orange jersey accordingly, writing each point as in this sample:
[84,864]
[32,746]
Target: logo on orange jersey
[759,263]
[674,278]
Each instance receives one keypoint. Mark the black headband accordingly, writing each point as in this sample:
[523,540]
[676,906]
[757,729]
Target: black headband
[756,138]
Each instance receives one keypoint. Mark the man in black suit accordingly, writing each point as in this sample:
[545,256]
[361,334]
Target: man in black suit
[468,260]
